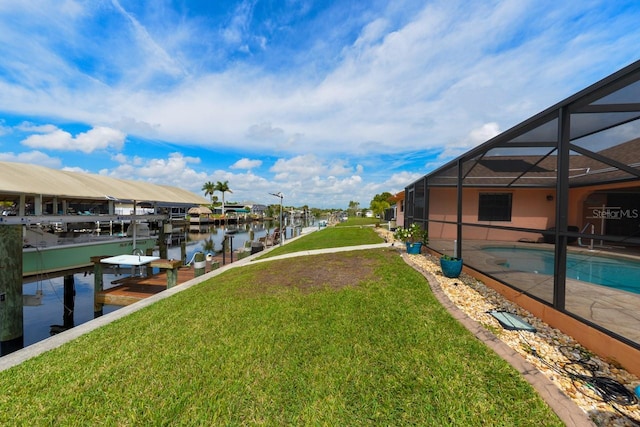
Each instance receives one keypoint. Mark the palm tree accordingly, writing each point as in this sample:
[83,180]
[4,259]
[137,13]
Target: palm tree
[222,187]
[209,246]
[209,188]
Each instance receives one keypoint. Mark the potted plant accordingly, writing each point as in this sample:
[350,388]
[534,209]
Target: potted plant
[413,236]
[451,267]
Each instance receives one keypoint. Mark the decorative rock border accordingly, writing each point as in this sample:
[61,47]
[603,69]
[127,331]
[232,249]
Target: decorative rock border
[469,301]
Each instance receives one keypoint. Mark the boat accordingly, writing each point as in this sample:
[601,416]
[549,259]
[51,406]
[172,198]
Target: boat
[48,252]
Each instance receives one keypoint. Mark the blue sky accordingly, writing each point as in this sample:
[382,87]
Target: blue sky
[325,101]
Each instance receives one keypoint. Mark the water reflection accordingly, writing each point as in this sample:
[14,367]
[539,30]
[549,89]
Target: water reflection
[38,320]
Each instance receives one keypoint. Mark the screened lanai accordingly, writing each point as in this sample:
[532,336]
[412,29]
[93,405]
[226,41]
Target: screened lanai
[550,208]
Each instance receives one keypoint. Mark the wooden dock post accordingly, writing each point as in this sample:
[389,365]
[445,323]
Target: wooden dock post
[11,305]
[69,298]
[162,240]
[98,284]
[148,268]
[199,264]
[171,265]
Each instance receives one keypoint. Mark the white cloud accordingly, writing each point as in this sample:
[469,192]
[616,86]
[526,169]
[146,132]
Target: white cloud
[119,158]
[398,181]
[300,166]
[246,164]
[475,137]
[309,165]
[264,131]
[98,138]
[131,125]
[4,130]
[245,187]
[233,34]
[32,157]
[174,170]
[372,33]
[484,133]
[340,167]
[31,127]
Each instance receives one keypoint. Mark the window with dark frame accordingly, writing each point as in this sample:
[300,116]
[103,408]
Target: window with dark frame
[494,207]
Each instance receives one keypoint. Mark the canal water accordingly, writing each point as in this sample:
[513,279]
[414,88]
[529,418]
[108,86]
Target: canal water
[38,320]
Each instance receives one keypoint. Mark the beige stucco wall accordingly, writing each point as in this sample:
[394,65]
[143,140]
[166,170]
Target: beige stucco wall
[578,196]
[531,209]
[400,213]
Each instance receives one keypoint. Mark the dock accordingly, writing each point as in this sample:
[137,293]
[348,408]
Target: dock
[131,289]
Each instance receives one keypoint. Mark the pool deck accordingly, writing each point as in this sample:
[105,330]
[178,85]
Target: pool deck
[613,309]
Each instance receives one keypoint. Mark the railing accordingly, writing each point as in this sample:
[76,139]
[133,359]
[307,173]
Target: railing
[593,231]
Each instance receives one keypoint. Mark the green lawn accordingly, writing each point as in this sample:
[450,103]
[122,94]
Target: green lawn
[355,338]
[331,237]
[357,220]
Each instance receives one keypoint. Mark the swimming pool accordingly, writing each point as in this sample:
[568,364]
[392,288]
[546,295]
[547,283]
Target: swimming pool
[615,273]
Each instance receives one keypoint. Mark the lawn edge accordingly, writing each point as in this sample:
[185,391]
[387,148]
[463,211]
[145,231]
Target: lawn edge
[565,408]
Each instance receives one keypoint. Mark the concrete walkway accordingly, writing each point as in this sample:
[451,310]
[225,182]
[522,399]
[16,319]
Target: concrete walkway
[325,251]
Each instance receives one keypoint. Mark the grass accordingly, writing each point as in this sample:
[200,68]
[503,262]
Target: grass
[355,338]
[356,220]
[331,237]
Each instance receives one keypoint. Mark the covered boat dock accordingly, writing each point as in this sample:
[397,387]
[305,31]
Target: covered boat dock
[58,203]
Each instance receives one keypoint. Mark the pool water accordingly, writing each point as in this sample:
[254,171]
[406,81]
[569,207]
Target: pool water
[616,273]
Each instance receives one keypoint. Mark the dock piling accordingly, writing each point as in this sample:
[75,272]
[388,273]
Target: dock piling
[69,301]
[11,305]
[149,269]
[199,264]
[98,284]
[162,241]
[172,267]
